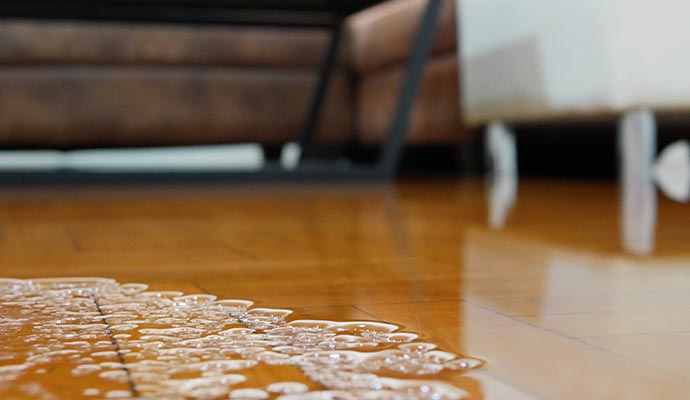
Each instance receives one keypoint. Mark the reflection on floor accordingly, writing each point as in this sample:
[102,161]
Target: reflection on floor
[551,300]
[640,169]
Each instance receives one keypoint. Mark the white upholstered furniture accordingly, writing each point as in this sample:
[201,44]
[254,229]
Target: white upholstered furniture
[531,60]
[564,60]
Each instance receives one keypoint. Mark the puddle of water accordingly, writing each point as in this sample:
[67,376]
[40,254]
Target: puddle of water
[119,341]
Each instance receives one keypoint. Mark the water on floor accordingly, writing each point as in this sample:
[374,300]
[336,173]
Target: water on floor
[96,338]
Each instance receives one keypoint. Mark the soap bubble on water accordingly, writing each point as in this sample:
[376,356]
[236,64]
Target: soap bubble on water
[287,387]
[249,394]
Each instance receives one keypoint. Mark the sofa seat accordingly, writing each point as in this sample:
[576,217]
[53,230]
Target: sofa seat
[85,43]
[104,106]
[85,84]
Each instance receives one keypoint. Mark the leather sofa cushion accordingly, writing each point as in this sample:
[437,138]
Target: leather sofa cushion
[101,106]
[435,117]
[86,43]
[382,35]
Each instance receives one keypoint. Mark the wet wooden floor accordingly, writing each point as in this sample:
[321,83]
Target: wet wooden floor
[552,301]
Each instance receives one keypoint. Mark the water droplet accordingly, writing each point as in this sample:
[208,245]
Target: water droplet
[195,299]
[118,394]
[104,354]
[401,337]
[85,369]
[91,392]
[463,364]
[417,347]
[234,305]
[275,313]
[249,394]
[116,375]
[287,387]
[132,288]
[365,326]
[123,327]
[311,324]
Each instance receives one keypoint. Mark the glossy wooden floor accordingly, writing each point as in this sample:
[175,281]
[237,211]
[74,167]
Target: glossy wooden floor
[552,301]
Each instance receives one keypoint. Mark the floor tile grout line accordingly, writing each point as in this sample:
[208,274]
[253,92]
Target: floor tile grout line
[364,311]
[203,289]
[251,257]
[74,242]
[130,381]
[483,370]
[521,317]
[488,372]
[653,333]
[614,312]
[575,339]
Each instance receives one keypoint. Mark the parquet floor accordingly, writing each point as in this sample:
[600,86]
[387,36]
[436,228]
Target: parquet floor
[551,301]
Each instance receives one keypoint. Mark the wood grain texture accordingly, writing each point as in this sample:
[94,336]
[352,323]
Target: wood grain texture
[551,301]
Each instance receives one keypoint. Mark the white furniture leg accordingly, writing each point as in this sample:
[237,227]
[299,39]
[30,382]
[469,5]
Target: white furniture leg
[501,153]
[637,141]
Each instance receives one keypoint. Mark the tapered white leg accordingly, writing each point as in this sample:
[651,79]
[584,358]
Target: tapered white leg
[501,153]
[637,141]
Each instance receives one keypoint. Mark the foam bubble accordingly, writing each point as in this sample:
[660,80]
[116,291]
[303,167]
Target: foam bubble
[132,288]
[365,326]
[91,392]
[463,364]
[232,305]
[116,375]
[85,369]
[417,347]
[249,394]
[195,299]
[118,394]
[287,387]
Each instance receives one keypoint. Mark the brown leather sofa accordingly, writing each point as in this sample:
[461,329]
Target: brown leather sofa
[67,84]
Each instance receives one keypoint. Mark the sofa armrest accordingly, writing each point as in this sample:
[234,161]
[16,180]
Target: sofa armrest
[382,35]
